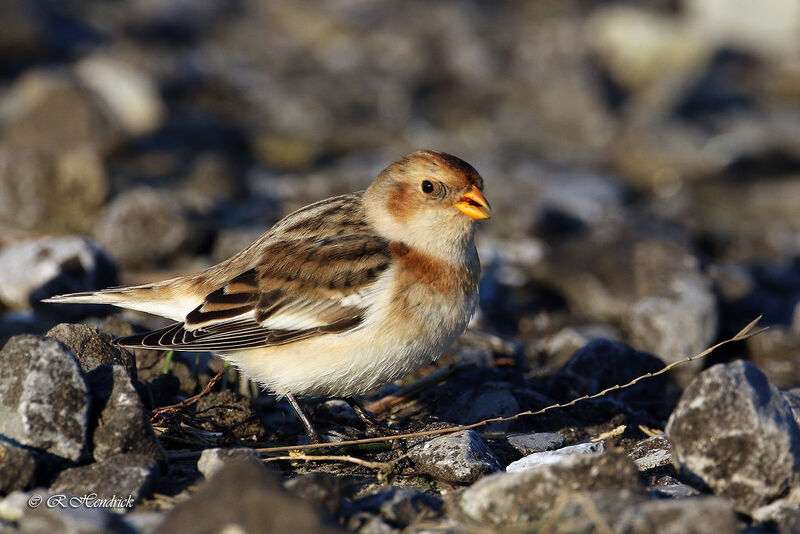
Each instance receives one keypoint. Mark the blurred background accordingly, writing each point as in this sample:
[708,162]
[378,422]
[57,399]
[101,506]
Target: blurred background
[642,158]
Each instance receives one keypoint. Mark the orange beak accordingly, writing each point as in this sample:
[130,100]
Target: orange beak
[474,205]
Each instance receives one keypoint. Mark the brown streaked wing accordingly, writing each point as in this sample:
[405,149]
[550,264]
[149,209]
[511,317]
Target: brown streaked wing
[229,337]
[305,278]
[301,280]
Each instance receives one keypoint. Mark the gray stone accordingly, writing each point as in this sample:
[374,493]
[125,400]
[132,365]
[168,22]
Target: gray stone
[793,398]
[651,453]
[672,491]
[244,497]
[62,517]
[459,457]
[535,442]
[92,347]
[125,476]
[734,432]
[324,490]
[398,507]
[43,397]
[368,524]
[676,315]
[33,270]
[49,111]
[519,498]
[213,460]
[145,522]
[551,457]
[122,423]
[604,363]
[567,341]
[694,515]
[777,353]
[142,226]
[17,467]
[590,511]
[784,512]
[129,95]
[492,399]
[60,191]
[678,326]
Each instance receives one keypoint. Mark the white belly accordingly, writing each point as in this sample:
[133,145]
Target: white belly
[355,362]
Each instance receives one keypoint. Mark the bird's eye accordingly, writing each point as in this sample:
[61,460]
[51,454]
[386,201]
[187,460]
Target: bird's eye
[427,187]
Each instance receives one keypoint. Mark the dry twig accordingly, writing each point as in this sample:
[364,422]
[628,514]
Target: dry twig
[159,413]
[331,458]
[746,332]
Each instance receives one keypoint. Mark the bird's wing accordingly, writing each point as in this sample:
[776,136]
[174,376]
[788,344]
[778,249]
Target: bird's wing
[300,288]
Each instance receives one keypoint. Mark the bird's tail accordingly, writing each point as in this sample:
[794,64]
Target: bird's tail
[172,298]
[114,295]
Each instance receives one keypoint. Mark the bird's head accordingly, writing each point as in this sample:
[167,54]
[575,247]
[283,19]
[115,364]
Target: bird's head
[429,200]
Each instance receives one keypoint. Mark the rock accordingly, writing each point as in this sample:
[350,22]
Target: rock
[397,507]
[770,34]
[43,397]
[128,477]
[603,363]
[213,460]
[678,326]
[535,442]
[694,515]
[519,498]
[324,490]
[119,327]
[459,457]
[49,111]
[777,353]
[92,347]
[588,511]
[214,187]
[142,226]
[551,457]
[231,412]
[247,498]
[734,432]
[639,46]
[369,524]
[677,316]
[651,453]
[122,423]
[567,341]
[784,512]
[60,192]
[144,522]
[17,467]
[475,395]
[128,94]
[33,270]
[83,518]
[673,490]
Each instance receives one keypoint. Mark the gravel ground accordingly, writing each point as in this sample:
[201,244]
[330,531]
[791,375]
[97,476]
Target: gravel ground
[643,164]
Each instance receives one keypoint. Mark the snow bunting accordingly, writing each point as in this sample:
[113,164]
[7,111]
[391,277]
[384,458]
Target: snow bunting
[339,297]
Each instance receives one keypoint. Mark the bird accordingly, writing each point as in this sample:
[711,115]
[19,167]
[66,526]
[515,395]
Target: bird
[339,297]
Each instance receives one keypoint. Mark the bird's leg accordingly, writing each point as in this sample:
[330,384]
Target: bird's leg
[312,433]
[369,421]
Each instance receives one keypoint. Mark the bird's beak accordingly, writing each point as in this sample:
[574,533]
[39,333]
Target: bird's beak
[474,205]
